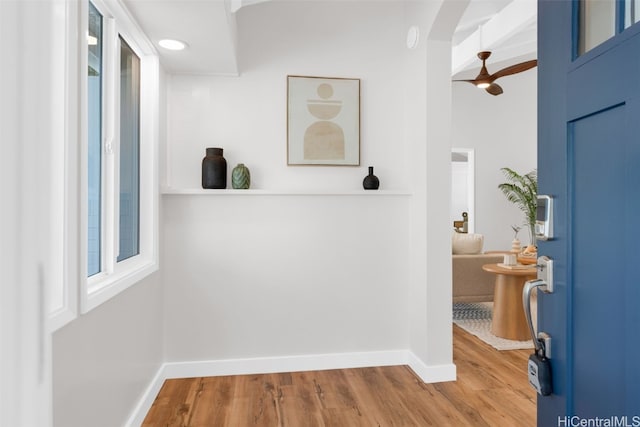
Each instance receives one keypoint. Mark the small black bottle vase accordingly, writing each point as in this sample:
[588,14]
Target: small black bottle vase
[214,169]
[371,182]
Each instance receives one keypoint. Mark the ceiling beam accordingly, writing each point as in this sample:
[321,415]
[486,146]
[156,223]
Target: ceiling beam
[515,17]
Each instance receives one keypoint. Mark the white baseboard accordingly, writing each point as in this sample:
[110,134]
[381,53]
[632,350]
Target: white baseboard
[147,399]
[431,373]
[266,365]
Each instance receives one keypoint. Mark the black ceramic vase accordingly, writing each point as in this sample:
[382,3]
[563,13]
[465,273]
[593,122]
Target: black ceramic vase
[371,182]
[214,169]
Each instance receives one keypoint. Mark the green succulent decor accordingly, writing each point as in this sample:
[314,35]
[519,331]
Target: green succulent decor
[522,190]
[240,177]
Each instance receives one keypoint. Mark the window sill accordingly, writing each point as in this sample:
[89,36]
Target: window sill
[105,287]
[60,318]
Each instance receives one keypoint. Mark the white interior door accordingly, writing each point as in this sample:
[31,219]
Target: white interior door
[463,185]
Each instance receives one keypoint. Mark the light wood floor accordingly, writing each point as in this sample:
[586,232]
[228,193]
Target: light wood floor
[492,390]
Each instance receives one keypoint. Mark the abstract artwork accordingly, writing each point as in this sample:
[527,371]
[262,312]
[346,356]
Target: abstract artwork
[323,121]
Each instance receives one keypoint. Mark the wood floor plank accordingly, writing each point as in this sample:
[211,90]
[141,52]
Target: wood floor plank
[298,402]
[254,402]
[414,394]
[491,390]
[173,406]
[213,402]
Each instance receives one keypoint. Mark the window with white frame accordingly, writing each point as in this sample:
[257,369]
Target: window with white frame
[129,165]
[120,174]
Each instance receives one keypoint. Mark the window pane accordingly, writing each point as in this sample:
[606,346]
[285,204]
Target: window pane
[631,12]
[94,106]
[129,152]
[597,23]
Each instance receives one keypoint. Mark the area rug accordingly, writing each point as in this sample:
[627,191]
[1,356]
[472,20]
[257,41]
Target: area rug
[475,318]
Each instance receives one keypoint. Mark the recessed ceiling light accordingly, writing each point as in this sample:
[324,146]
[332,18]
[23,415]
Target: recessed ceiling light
[172,44]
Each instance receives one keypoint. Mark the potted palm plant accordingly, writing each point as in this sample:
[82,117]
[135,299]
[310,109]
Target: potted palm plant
[522,190]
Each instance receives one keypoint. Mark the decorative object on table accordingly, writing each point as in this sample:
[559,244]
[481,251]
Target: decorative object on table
[522,190]
[515,243]
[323,121]
[214,169]
[462,226]
[240,177]
[529,255]
[371,182]
[509,260]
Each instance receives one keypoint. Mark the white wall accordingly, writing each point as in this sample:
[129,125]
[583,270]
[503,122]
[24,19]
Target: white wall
[502,130]
[278,275]
[270,276]
[29,195]
[247,115]
[104,360]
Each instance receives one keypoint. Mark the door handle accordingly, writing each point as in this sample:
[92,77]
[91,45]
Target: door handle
[539,367]
[544,281]
[529,286]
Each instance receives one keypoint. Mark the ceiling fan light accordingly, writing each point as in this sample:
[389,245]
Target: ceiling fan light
[483,85]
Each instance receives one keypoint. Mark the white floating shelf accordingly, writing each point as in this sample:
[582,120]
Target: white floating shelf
[259,192]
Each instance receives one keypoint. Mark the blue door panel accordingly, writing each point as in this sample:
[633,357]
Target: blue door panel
[602,82]
[632,259]
[597,146]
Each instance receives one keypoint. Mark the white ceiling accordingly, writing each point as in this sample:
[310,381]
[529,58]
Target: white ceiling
[506,27]
[207,26]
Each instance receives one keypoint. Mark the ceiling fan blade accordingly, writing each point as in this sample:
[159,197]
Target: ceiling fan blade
[484,78]
[514,69]
[494,89]
[473,82]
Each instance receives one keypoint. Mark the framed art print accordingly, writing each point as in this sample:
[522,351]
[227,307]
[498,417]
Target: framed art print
[323,121]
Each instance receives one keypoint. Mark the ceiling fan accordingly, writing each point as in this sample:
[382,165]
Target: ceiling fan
[485,81]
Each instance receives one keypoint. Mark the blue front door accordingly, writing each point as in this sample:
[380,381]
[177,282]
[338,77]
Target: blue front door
[589,161]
